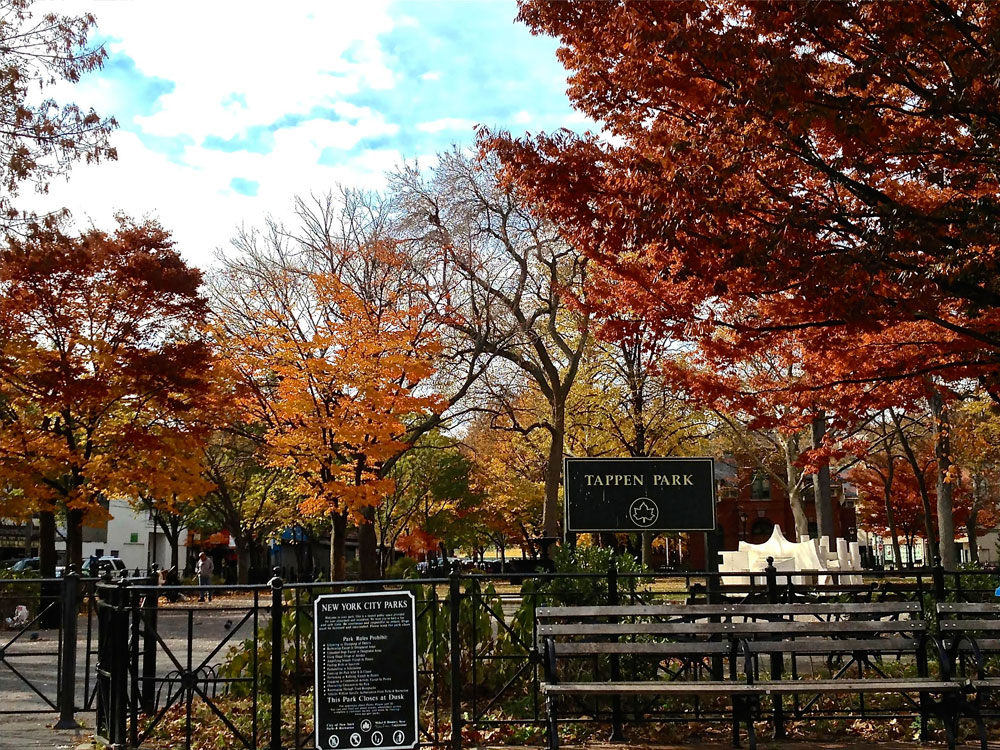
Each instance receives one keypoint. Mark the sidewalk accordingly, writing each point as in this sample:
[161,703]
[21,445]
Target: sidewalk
[33,732]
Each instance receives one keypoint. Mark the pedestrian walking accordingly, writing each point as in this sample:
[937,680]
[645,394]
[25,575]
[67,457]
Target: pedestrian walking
[203,569]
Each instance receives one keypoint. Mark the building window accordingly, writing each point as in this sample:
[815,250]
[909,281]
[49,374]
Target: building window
[760,486]
[133,538]
[761,530]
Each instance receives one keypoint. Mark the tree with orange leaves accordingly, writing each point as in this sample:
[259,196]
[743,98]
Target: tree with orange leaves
[335,350]
[513,502]
[976,441]
[100,364]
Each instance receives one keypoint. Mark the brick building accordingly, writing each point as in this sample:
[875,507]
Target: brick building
[749,505]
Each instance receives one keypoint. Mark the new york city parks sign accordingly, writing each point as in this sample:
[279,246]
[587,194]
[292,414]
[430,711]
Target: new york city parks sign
[639,494]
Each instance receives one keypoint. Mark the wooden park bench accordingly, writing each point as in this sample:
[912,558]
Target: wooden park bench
[969,646]
[740,652]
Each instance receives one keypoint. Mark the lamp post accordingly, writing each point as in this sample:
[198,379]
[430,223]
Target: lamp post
[743,523]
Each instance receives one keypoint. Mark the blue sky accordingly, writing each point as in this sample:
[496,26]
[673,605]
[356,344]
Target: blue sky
[229,110]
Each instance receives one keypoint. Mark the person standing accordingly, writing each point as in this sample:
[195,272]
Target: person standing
[203,569]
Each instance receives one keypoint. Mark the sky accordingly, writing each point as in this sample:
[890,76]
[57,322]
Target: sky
[228,110]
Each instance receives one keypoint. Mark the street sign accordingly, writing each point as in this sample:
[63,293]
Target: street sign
[639,494]
[366,671]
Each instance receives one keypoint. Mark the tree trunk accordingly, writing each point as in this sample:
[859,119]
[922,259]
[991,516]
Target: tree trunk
[890,516]
[793,476]
[28,530]
[553,474]
[972,523]
[243,560]
[338,543]
[647,548]
[821,485]
[174,540]
[368,546]
[970,528]
[945,506]
[74,538]
[47,544]
[171,527]
[925,497]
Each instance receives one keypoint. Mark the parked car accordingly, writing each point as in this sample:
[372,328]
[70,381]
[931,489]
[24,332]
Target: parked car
[27,565]
[95,567]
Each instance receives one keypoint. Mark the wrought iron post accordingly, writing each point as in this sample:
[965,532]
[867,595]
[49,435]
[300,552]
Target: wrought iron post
[119,664]
[454,607]
[937,573]
[771,576]
[67,668]
[777,663]
[276,642]
[149,616]
[617,719]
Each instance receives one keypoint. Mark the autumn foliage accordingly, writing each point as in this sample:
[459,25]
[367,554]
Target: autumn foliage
[100,363]
[334,386]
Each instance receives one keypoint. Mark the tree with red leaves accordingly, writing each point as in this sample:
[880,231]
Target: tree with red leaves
[827,168]
[100,364]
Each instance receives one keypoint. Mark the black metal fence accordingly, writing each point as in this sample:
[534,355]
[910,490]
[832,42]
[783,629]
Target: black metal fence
[175,672]
[47,646]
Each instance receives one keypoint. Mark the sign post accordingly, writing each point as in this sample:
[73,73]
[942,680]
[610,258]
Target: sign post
[366,671]
[639,494]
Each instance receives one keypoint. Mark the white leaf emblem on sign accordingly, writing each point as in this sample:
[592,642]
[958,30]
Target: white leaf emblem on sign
[643,512]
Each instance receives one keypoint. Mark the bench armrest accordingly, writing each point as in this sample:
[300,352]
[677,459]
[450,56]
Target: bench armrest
[549,661]
[976,651]
[742,644]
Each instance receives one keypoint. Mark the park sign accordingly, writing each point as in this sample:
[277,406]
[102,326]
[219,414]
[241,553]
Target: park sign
[366,671]
[639,494]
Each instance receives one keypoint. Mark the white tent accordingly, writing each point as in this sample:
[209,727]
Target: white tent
[812,560]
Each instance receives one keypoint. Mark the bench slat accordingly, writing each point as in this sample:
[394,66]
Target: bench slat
[970,625]
[577,648]
[663,687]
[832,646]
[874,685]
[727,610]
[718,628]
[969,607]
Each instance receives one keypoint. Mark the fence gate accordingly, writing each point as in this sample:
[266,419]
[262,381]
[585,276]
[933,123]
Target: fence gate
[44,646]
[112,664]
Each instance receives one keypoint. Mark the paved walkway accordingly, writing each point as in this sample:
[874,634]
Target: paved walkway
[35,732]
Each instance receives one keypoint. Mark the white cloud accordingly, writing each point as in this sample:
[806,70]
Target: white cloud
[446,123]
[240,71]
[279,62]
[282,62]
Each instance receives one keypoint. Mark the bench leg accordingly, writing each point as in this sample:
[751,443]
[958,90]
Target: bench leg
[751,733]
[974,710]
[552,723]
[924,698]
[736,722]
[743,712]
[980,729]
[950,720]
[980,724]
